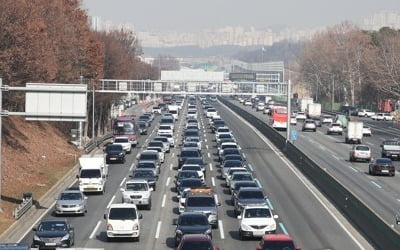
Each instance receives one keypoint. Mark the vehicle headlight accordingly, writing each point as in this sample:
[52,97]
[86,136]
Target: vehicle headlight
[246,227]
[121,154]
[109,227]
[65,237]
[208,231]
[58,205]
[135,227]
[179,232]
[35,237]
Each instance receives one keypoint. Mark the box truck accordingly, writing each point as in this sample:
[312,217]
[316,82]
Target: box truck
[93,173]
[354,132]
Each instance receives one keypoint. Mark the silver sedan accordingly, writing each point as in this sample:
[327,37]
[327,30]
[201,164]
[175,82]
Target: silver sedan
[71,202]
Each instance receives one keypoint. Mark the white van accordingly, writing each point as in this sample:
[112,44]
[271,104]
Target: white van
[123,221]
[93,173]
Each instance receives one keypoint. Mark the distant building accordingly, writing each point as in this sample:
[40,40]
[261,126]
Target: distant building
[381,19]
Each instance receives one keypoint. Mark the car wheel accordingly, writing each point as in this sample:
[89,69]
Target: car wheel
[242,237]
[350,159]
[149,205]
[215,226]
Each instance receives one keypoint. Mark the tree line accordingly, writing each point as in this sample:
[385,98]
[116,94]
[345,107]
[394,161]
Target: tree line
[51,42]
[345,64]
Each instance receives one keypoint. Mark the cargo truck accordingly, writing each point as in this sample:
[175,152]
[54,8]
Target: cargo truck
[313,110]
[354,132]
[304,102]
[93,173]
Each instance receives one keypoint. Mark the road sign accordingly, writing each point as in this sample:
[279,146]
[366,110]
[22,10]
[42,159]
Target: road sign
[293,135]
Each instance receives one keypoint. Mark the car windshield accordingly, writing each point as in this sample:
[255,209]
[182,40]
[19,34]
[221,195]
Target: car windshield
[142,125]
[70,196]
[156,144]
[193,220]
[114,147]
[143,174]
[122,213]
[211,110]
[146,165]
[384,161]
[165,127]
[197,161]
[190,153]
[136,186]
[191,183]
[222,136]
[200,201]
[362,148]
[188,174]
[90,173]
[229,146]
[191,133]
[198,245]
[233,157]
[121,140]
[194,168]
[391,143]
[148,157]
[52,226]
[278,245]
[242,177]
[190,145]
[230,164]
[257,213]
[231,151]
[251,195]
[161,139]
[166,121]
[223,130]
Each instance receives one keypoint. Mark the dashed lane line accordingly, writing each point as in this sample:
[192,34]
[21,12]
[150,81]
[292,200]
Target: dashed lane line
[95,230]
[122,182]
[158,229]
[213,181]
[283,228]
[376,184]
[168,180]
[111,201]
[211,167]
[163,200]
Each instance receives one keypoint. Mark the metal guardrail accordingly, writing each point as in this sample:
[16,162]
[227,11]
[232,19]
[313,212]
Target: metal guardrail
[96,142]
[374,228]
[27,203]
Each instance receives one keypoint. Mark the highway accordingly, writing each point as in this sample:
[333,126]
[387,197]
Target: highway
[303,212]
[380,193]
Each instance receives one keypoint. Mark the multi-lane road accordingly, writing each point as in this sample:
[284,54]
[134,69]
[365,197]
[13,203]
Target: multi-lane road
[303,212]
[380,193]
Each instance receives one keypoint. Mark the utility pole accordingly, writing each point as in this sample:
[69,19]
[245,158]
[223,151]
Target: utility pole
[288,112]
[93,110]
[333,92]
[1,135]
[80,123]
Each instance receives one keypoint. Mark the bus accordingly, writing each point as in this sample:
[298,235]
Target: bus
[279,118]
[125,126]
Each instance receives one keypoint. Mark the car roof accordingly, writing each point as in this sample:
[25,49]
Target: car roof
[149,152]
[122,205]
[250,189]
[277,237]
[136,181]
[256,206]
[71,191]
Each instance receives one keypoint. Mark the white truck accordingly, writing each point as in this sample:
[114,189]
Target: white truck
[93,173]
[304,102]
[313,110]
[174,110]
[354,132]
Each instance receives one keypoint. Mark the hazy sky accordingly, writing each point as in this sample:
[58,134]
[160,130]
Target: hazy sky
[202,14]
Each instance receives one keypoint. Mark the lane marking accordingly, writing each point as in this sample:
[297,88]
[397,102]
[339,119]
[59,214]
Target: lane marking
[208,154]
[205,140]
[355,170]
[207,147]
[369,143]
[322,147]
[244,156]
[122,182]
[211,167]
[398,200]
[95,230]
[168,180]
[216,198]
[283,228]
[163,200]
[376,184]
[158,229]
[336,157]
[131,167]
[250,167]
[297,173]
[269,203]
[171,166]
[221,229]
[111,201]
[173,154]
[213,181]
[258,183]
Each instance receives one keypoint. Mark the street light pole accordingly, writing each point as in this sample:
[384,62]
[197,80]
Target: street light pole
[288,112]
[1,134]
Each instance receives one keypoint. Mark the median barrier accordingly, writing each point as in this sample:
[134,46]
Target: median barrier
[380,234]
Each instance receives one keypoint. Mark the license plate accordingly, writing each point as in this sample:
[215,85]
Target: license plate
[385,171]
[50,244]
[113,159]
[258,233]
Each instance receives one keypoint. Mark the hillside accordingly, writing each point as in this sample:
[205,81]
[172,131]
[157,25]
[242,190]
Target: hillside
[34,156]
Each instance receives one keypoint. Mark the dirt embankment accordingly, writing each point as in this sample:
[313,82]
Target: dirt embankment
[35,155]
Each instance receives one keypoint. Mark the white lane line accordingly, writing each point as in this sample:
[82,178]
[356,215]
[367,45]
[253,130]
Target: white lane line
[131,168]
[211,167]
[111,201]
[322,147]
[168,180]
[269,203]
[95,230]
[355,170]
[147,140]
[310,187]
[158,229]
[208,154]
[258,183]
[376,184]
[250,167]
[216,198]
[207,147]
[213,181]
[170,166]
[173,154]
[371,144]
[204,131]
[398,200]
[336,157]
[163,200]
[283,228]
[205,140]
[122,182]
[221,229]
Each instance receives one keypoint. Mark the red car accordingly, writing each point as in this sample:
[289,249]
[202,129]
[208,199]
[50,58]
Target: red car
[382,166]
[196,241]
[277,241]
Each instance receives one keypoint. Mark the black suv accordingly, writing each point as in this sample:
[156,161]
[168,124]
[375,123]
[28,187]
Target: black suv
[191,223]
[114,153]
[186,154]
[248,196]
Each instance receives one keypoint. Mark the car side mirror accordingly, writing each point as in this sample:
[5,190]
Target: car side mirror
[85,198]
[140,216]
[178,196]
[105,216]
[151,189]
[239,217]
[276,216]
[130,176]
[122,189]
[77,176]
[34,229]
